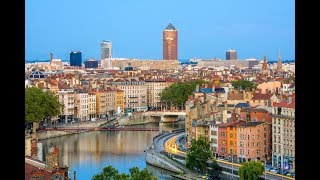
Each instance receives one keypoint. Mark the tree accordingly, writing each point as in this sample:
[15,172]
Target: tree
[178,92]
[198,155]
[251,170]
[40,105]
[214,169]
[244,84]
[109,173]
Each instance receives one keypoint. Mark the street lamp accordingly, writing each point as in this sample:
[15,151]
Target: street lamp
[265,172]
[232,164]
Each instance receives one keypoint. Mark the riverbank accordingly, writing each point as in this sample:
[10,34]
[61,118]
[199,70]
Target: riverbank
[137,119]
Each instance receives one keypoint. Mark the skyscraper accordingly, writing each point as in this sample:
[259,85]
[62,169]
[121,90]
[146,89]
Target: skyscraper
[75,58]
[231,55]
[106,49]
[170,43]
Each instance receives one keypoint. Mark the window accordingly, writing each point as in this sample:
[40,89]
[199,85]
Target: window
[241,144]
[231,135]
[252,144]
[224,142]
[248,152]
[278,129]
[265,142]
[258,144]
[265,135]
[258,151]
[252,137]
[231,143]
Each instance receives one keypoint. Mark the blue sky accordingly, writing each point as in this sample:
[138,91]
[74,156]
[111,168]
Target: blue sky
[206,28]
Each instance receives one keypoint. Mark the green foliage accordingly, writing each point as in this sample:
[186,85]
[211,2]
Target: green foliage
[251,170]
[178,92]
[109,173]
[98,177]
[198,154]
[244,84]
[40,105]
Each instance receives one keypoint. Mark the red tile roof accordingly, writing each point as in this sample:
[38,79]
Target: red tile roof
[285,104]
[260,96]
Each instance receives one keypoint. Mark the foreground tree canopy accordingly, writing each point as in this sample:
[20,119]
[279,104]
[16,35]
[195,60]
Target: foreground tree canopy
[109,173]
[178,92]
[40,105]
[198,155]
[251,170]
[244,84]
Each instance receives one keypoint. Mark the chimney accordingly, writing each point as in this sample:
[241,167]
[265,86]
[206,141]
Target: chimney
[34,149]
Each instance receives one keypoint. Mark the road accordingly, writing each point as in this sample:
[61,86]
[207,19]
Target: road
[171,147]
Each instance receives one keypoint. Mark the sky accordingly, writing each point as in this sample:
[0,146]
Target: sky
[206,28]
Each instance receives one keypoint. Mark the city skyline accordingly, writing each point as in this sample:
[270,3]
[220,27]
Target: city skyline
[206,30]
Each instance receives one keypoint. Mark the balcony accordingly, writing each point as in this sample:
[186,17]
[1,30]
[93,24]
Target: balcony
[282,116]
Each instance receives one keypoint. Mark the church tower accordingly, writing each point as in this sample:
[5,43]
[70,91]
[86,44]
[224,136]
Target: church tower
[279,64]
[265,70]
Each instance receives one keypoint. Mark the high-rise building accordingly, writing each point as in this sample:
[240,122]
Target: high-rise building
[231,55]
[170,43]
[91,63]
[75,58]
[106,49]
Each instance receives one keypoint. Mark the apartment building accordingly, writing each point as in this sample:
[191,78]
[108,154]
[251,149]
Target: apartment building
[283,134]
[254,141]
[92,105]
[81,106]
[135,94]
[154,90]
[67,98]
[120,101]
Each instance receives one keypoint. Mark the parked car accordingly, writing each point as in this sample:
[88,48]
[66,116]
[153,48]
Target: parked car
[291,174]
[268,168]
[274,170]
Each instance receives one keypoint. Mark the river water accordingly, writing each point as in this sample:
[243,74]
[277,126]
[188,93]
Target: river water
[88,153]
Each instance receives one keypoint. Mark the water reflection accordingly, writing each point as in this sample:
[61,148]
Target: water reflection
[88,153]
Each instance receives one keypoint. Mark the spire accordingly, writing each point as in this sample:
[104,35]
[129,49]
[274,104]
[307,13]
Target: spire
[170,27]
[264,65]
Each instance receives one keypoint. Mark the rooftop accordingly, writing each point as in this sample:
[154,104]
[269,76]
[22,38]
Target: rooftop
[170,27]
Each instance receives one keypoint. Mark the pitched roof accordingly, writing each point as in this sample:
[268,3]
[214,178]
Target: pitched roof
[242,105]
[286,104]
[235,96]
[170,27]
[292,85]
[260,96]
[251,124]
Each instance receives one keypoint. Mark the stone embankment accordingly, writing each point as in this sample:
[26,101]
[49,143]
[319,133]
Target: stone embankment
[137,119]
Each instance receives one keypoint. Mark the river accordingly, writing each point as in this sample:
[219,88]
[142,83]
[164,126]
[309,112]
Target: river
[88,153]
